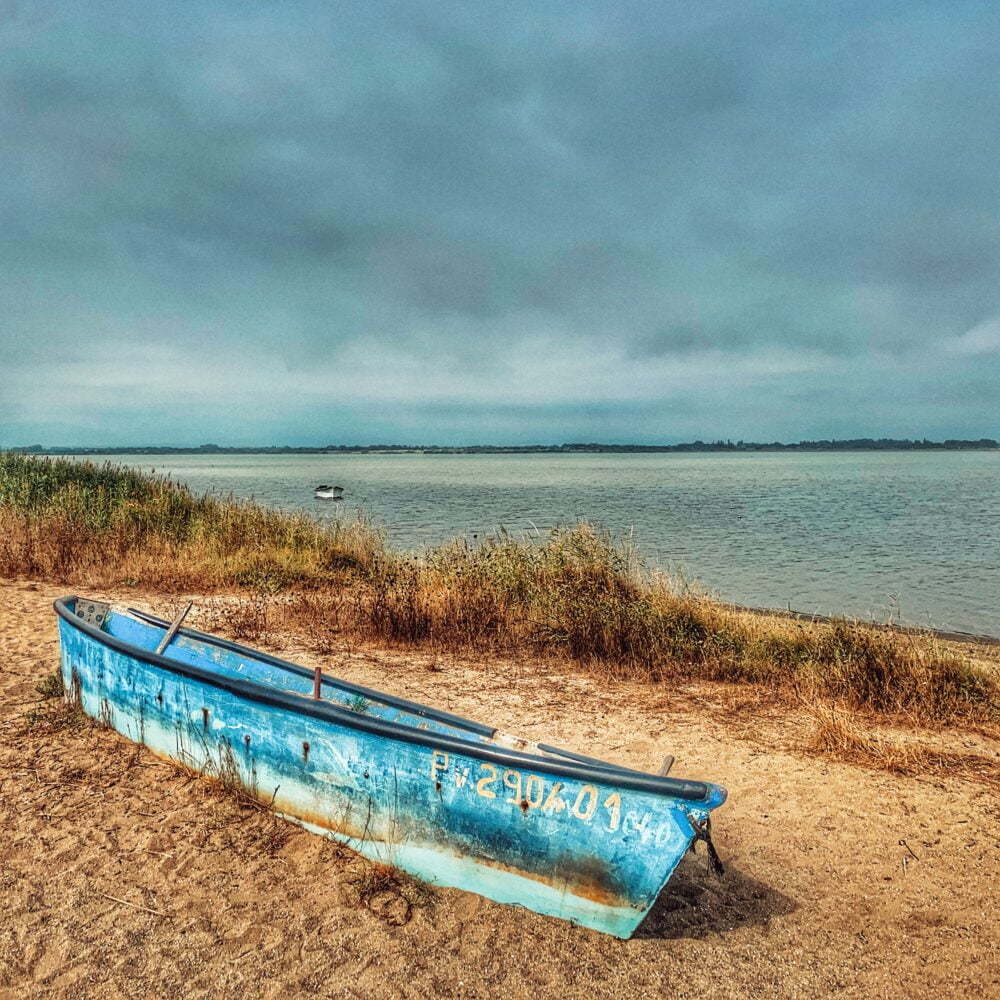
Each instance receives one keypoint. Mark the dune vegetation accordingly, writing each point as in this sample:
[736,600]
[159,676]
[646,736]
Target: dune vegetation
[104,524]
[578,593]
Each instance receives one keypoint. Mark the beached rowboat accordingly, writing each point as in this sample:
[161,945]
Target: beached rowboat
[451,801]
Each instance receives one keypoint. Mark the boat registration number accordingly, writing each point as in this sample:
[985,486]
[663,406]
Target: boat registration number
[535,791]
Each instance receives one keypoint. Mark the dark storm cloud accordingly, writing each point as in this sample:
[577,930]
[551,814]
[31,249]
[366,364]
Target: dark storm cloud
[484,222]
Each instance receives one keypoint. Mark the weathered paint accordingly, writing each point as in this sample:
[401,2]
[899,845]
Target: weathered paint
[435,795]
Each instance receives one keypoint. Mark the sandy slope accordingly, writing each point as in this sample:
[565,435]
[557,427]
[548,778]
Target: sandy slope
[121,877]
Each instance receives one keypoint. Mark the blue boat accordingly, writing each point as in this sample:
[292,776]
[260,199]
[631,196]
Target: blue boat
[453,802]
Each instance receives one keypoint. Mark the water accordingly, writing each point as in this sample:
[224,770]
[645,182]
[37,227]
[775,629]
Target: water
[913,536]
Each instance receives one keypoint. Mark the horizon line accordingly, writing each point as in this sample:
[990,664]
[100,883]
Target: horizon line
[721,444]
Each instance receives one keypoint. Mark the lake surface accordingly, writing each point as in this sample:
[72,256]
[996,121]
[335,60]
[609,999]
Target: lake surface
[912,536]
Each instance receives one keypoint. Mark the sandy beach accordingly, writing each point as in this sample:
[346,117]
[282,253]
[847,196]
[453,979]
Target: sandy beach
[122,876]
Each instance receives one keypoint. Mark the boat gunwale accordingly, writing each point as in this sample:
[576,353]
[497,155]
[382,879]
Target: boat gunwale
[414,707]
[296,668]
[679,788]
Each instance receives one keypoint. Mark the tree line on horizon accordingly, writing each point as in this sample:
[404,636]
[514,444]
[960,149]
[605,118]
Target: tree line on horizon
[848,444]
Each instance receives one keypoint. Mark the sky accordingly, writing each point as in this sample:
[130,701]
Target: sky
[456,223]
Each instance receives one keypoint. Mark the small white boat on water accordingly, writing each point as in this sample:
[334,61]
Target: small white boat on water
[325,492]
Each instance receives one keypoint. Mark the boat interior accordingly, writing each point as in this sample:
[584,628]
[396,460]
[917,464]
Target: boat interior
[228,659]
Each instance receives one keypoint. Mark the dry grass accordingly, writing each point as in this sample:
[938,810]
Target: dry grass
[577,594]
[386,891]
[53,716]
[849,737]
[104,524]
[580,595]
[52,685]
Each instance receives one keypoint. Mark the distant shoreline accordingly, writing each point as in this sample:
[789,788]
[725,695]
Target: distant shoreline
[856,444]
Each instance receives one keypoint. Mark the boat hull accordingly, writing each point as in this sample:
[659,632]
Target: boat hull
[583,844]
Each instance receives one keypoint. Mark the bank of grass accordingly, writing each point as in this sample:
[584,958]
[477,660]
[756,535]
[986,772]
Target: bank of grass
[578,593]
[104,524]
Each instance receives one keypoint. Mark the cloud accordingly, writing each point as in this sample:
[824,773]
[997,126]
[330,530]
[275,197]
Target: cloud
[535,210]
[981,339]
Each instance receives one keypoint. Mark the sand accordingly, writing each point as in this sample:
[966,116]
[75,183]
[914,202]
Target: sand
[121,876]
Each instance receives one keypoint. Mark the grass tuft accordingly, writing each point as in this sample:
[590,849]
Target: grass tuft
[52,685]
[388,892]
[844,735]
